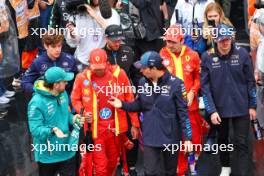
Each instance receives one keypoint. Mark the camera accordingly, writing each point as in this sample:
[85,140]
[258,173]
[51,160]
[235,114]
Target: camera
[211,23]
[77,6]
[259,4]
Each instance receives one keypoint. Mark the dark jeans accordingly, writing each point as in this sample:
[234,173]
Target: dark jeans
[132,155]
[64,168]
[241,144]
[152,161]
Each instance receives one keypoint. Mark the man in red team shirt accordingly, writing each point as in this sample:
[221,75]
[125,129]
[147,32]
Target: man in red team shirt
[91,92]
[183,62]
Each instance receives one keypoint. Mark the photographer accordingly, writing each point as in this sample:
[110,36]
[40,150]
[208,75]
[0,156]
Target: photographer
[58,19]
[85,31]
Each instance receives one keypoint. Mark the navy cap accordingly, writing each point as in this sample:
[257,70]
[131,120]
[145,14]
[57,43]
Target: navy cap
[149,59]
[225,31]
[114,32]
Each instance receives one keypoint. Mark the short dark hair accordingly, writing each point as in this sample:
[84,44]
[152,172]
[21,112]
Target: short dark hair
[48,85]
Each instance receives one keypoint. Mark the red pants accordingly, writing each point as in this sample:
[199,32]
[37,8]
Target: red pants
[197,136]
[105,160]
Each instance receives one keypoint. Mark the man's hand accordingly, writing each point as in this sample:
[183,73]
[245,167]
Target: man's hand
[215,118]
[257,76]
[188,146]
[252,114]
[59,133]
[190,97]
[115,102]
[70,26]
[88,117]
[134,132]
[119,5]
[90,11]
[78,119]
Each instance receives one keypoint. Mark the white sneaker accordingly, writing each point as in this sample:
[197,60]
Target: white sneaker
[16,82]
[9,94]
[226,171]
[4,100]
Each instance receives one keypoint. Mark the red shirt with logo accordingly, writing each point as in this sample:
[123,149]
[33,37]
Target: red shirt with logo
[191,71]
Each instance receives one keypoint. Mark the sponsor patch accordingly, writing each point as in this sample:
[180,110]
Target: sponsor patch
[105,113]
[86,82]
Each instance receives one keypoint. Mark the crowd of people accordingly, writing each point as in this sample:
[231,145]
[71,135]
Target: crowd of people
[113,79]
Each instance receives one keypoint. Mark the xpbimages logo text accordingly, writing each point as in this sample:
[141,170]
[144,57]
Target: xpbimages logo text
[58,147]
[147,89]
[214,148]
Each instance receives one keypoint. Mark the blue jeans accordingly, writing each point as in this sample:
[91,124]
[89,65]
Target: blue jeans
[2,87]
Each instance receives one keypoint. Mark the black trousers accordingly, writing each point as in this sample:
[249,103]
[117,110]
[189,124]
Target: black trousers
[241,152]
[64,168]
[152,161]
[132,155]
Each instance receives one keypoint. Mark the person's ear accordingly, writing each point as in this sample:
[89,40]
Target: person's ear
[46,46]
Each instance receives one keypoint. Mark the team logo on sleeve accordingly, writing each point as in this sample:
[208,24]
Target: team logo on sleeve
[105,113]
[184,93]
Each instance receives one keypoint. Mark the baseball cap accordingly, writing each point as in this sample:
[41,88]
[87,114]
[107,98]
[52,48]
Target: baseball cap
[149,59]
[174,33]
[114,32]
[57,74]
[98,59]
[224,31]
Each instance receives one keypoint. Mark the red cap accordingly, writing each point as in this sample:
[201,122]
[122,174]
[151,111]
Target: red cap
[174,33]
[98,59]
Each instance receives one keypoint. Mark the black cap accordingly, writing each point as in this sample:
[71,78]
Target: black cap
[114,32]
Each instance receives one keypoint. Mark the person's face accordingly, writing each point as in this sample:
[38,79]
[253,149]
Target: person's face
[224,46]
[147,72]
[99,72]
[173,46]
[60,86]
[53,50]
[113,44]
[213,15]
